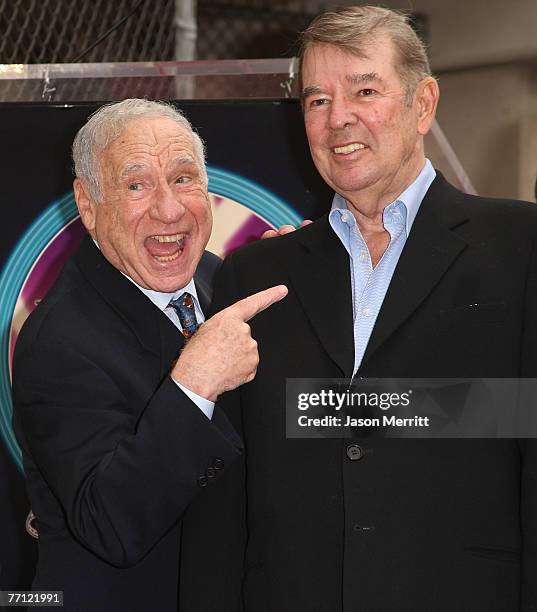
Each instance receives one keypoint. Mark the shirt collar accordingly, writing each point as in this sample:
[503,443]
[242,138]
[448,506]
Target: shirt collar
[161,299]
[411,197]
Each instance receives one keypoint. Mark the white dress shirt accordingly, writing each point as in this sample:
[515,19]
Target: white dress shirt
[161,301]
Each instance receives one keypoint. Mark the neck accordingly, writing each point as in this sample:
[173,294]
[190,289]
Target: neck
[367,205]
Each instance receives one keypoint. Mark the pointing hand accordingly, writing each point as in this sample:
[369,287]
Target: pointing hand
[222,355]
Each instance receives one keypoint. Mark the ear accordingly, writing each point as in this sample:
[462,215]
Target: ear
[427,96]
[85,204]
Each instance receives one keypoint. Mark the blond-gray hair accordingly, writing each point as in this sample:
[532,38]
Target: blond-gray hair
[109,122]
[353,28]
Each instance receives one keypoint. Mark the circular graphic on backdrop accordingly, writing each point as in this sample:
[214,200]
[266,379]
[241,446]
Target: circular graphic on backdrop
[242,211]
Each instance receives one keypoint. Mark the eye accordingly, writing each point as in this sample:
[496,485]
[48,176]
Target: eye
[134,186]
[367,92]
[317,102]
[181,180]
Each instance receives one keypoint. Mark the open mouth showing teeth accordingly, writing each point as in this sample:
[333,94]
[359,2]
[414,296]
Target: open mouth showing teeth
[168,257]
[174,238]
[350,148]
[166,247]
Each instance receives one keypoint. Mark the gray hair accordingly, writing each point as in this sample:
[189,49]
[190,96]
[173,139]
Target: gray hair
[353,28]
[109,122]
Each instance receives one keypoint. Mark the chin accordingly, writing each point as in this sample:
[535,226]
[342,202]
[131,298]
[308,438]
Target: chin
[164,281]
[168,277]
[354,183]
[171,284]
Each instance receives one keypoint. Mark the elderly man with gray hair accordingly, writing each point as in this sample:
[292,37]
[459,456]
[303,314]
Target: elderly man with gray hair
[114,409]
[405,277]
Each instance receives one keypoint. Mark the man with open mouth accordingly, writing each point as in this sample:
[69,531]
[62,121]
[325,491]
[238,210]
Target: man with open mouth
[114,385]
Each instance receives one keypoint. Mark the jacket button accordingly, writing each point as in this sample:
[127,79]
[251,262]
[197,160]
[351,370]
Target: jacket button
[218,464]
[203,481]
[210,472]
[354,452]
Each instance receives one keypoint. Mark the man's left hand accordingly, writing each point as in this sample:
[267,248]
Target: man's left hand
[283,229]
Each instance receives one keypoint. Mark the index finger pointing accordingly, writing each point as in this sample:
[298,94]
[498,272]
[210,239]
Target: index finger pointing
[255,303]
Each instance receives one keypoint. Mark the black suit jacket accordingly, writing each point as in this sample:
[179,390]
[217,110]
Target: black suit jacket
[113,450]
[414,525]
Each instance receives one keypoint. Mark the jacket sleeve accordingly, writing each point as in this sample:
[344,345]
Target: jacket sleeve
[121,481]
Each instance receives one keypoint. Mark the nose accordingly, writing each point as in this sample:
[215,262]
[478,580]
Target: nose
[342,113]
[167,206]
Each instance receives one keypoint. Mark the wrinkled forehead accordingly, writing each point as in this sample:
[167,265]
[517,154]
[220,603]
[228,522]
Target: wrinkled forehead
[376,54]
[157,138]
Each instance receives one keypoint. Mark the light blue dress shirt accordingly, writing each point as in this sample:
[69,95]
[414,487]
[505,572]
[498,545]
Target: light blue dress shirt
[369,285]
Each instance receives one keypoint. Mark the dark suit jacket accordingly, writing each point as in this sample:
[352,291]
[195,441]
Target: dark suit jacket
[414,525]
[113,450]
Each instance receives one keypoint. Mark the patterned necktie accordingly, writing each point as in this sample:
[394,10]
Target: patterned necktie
[184,307]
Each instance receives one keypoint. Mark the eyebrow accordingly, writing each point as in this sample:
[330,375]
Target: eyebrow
[183,163]
[310,91]
[367,77]
[355,79]
[184,160]
[131,169]
[181,160]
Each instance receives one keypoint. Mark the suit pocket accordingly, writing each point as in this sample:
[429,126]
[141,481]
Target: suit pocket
[472,315]
[494,553]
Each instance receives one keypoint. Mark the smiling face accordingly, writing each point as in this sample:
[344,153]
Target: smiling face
[154,219]
[364,138]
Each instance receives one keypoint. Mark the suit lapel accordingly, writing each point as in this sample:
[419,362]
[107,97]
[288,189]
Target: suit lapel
[320,276]
[155,332]
[172,342]
[204,291]
[430,250]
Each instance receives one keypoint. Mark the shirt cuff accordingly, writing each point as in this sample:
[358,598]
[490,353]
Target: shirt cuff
[205,405]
